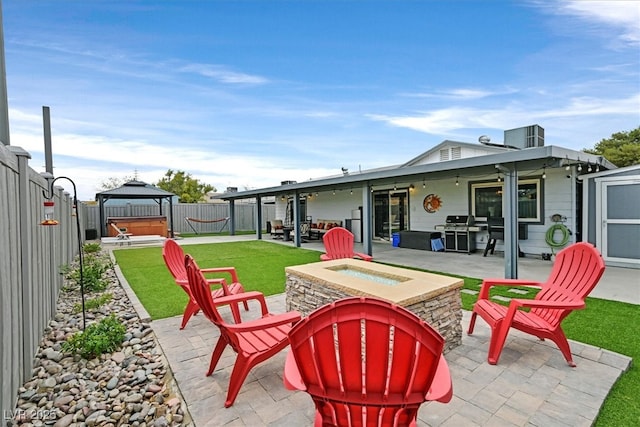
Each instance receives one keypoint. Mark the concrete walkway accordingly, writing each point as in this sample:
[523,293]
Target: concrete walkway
[531,385]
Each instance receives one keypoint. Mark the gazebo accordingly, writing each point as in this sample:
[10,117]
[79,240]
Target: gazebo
[135,190]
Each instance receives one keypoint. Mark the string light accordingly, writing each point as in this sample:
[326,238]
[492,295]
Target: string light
[457,182]
[588,167]
[544,172]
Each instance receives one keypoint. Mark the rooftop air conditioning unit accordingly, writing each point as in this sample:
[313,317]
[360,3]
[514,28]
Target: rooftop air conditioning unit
[524,137]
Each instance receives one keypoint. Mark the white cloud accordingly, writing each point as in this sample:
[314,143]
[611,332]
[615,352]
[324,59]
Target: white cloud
[222,74]
[621,15]
[448,120]
[460,94]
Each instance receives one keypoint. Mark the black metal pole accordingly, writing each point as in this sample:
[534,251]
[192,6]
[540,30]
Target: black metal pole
[79,235]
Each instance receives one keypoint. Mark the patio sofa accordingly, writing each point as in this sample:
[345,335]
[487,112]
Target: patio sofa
[321,226]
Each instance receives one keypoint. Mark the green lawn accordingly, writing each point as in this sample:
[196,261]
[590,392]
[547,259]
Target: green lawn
[260,266]
[606,324]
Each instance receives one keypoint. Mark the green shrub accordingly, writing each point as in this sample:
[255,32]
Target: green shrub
[94,268]
[98,338]
[91,248]
[93,303]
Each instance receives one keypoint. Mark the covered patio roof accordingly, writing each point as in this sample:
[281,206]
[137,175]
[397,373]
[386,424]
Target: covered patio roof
[530,158]
[508,163]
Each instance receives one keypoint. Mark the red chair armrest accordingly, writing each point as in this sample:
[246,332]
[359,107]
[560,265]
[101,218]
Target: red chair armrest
[488,283]
[364,257]
[575,305]
[242,297]
[292,378]
[266,322]
[441,387]
[229,270]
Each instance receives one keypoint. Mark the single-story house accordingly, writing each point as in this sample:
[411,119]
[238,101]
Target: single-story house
[534,188]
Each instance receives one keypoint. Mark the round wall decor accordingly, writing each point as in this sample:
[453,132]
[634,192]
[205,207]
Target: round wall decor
[432,203]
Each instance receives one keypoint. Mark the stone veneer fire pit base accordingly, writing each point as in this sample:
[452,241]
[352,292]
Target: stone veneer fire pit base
[432,297]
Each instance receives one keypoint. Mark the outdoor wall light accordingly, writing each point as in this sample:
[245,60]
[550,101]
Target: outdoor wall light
[49,210]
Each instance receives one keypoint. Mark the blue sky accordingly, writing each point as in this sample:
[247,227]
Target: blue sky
[251,93]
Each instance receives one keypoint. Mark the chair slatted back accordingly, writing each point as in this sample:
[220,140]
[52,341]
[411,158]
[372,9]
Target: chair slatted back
[576,271]
[366,361]
[173,256]
[201,291]
[338,243]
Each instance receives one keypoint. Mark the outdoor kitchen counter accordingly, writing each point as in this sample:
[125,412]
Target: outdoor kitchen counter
[432,297]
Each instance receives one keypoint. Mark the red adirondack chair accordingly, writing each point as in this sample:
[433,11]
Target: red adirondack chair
[338,242]
[576,271]
[173,256]
[367,362]
[254,341]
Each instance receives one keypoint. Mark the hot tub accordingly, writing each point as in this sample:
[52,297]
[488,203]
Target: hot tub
[432,297]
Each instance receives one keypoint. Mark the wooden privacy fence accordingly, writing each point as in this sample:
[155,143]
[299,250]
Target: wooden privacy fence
[30,260]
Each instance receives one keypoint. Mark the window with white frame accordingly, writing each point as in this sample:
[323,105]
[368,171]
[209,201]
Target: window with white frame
[487,200]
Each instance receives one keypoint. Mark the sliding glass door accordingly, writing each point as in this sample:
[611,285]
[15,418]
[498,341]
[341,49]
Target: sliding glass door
[390,213]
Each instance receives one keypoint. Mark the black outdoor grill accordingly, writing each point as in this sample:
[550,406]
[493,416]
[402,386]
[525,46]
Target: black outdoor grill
[460,233]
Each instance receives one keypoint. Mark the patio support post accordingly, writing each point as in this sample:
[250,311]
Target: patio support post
[296,218]
[232,215]
[367,246]
[510,196]
[259,217]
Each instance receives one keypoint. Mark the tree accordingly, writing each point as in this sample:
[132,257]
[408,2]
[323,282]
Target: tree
[622,149]
[188,189]
[113,182]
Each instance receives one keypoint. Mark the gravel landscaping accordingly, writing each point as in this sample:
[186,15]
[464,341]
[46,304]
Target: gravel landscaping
[132,386]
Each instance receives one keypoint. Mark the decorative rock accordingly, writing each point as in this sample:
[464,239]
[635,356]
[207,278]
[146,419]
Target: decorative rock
[64,421]
[117,357]
[113,382]
[135,397]
[124,388]
[63,400]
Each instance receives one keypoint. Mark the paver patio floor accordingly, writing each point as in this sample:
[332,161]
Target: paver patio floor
[531,385]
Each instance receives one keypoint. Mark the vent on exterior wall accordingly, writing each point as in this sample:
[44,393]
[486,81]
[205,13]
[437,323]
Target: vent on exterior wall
[444,154]
[524,137]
